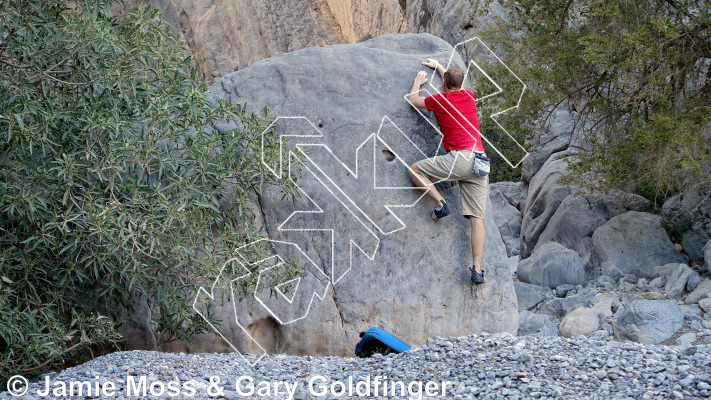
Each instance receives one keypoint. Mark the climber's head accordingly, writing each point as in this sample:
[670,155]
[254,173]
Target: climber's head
[453,79]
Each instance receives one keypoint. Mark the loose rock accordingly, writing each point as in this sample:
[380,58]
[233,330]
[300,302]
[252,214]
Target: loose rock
[649,321]
[581,321]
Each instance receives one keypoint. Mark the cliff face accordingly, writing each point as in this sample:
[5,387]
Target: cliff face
[226,36]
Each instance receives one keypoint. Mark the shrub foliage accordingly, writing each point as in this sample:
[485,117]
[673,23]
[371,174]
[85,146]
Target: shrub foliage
[115,181]
[636,73]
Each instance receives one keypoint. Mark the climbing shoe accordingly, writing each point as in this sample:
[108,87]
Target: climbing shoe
[477,277]
[442,212]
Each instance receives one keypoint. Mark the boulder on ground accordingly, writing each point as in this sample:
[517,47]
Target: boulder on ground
[552,265]
[581,299]
[702,291]
[634,243]
[705,305]
[552,306]
[649,321]
[676,282]
[691,309]
[663,271]
[528,295]
[605,304]
[693,282]
[417,283]
[536,324]
[605,281]
[574,223]
[686,339]
[658,282]
[562,290]
[581,321]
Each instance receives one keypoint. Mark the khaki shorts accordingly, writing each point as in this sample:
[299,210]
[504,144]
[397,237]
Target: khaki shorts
[457,166]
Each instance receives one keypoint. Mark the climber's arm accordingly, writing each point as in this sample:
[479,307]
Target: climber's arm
[415,98]
[432,63]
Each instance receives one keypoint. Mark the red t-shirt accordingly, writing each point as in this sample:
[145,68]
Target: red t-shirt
[456,116]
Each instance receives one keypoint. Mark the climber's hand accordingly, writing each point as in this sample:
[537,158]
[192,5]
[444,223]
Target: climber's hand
[421,78]
[432,63]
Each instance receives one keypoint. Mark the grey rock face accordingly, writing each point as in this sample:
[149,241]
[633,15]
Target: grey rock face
[562,290]
[663,271]
[512,263]
[648,321]
[417,284]
[581,321]
[554,137]
[634,243]
[707,254]
[693,281]
[545,194]
[676,283]
[552,306]
[552,265]
[536,324]
[511,191]
[605,281]
[528,295]
[705,305]
[580,300]
[574,222]
[507,217]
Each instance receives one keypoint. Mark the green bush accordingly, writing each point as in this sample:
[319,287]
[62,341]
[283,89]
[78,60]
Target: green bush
[677,221]
[114,180]
[635,72]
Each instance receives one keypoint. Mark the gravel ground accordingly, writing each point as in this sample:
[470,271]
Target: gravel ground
[486,367]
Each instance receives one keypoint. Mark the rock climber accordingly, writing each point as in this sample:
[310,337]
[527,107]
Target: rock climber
[465,161]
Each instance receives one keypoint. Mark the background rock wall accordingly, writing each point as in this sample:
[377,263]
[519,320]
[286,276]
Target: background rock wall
[228,35]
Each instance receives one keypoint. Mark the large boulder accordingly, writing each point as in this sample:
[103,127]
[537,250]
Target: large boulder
[634,243]
[649,321]
[707,254]
[573,225]
[417,283]
[576,219]
[507,217]
[552,265]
